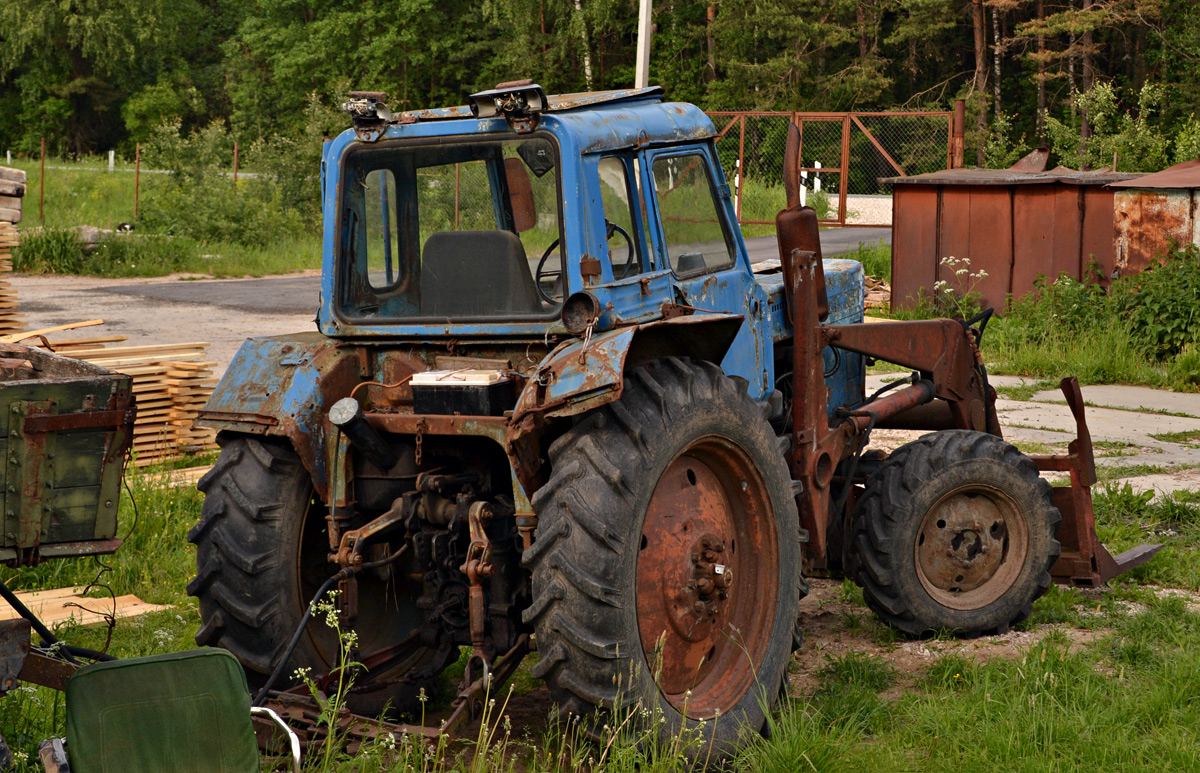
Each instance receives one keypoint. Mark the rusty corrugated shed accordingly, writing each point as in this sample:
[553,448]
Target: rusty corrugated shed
[1185,175]
[1012,224]
[1153,214]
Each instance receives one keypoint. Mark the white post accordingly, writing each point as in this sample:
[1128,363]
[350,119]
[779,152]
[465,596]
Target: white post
[8,158]
[642,72]
[111,156]
[737,183]
[817,176]
[804,189]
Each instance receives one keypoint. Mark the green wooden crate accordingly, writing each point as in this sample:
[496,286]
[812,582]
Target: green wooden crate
[68,425]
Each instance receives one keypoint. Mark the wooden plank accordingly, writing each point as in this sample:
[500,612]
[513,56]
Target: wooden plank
[39,596]
[126,351]
[61,605]
[43,331]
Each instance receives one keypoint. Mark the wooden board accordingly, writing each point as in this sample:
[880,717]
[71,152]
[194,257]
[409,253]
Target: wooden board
[65,604]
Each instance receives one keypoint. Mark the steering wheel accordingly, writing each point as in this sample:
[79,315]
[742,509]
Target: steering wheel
[552,276]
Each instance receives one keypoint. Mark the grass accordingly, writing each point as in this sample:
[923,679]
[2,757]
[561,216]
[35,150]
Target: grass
[1122,702]
[1187,438]
[79,195]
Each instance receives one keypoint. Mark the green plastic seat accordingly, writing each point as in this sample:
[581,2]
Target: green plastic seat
[183,712]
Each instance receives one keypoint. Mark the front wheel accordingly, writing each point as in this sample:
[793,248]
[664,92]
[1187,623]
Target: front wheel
[955,532]
[666,565]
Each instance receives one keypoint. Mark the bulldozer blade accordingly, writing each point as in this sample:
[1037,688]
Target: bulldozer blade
[1083,560]
[1111,566]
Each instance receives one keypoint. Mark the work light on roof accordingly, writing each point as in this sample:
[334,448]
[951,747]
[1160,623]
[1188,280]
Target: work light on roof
[520,102]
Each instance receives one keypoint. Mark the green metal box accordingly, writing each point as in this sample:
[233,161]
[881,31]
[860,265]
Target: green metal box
[67,427]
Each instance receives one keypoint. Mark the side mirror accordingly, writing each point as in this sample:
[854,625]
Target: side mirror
[520,194]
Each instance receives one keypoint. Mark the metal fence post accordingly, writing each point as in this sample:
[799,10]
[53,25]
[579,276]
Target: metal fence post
[741,166]
[137,173]
[843,174]
[42,184]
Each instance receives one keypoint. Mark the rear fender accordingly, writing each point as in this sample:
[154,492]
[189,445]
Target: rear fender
[281,386]
[582,375]
[586,373]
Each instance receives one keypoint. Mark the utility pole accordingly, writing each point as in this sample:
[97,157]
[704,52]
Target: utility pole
[642,71]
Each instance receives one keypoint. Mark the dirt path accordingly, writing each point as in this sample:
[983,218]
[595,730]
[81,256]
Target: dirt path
[57,300]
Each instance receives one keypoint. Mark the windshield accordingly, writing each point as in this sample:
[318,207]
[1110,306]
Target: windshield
[464,229]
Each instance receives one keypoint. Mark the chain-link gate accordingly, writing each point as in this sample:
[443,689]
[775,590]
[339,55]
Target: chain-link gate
[841,155]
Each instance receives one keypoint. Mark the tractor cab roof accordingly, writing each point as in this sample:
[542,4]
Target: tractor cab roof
[599,120]
[556,103]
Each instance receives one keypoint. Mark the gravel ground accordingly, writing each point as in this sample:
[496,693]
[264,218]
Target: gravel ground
[866,210]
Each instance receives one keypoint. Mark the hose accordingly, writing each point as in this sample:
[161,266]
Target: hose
[49,641]
[344,574]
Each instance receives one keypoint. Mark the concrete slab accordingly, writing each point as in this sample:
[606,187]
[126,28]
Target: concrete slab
[1047,421]
[1165,483]
[1134,398]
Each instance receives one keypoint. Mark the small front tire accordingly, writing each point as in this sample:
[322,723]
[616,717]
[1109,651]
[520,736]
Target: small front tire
[955,532]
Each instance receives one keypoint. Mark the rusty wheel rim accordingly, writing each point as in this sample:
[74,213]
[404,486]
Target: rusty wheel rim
[971,547]
[707,577]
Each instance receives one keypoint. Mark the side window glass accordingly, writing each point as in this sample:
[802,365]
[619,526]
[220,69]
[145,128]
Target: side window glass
[383,263]
[620,231]
[694,237]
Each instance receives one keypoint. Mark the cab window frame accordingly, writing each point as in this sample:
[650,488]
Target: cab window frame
[719,209]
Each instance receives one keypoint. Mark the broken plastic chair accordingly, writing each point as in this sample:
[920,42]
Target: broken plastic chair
[183,712]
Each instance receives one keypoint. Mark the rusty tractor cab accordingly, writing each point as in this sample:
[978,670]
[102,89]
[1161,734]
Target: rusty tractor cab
[551,403]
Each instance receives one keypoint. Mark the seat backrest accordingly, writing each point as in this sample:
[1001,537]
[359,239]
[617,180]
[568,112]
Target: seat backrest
[184,712]
[689,262]
[476,273]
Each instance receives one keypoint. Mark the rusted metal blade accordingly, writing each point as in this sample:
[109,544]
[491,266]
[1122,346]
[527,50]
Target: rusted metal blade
[1081,446]
[1111,566]
[791,167]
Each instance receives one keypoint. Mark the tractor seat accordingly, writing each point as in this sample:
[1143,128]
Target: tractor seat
[476,274]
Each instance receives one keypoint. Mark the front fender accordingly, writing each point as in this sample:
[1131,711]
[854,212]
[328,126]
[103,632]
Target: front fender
[280,385]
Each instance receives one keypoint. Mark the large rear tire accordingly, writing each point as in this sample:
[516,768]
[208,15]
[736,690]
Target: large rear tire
[653,503]
[261,554]
[955,532]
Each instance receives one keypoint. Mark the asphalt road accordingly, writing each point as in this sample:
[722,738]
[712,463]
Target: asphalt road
[299,295]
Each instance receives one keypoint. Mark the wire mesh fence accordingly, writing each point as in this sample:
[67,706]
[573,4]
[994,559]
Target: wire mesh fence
[841,155]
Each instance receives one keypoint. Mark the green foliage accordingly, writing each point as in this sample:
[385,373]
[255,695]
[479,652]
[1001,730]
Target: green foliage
[1162,302]
[49,251]
[1139,143]
[1000,149]
[198,200]
[1142,329]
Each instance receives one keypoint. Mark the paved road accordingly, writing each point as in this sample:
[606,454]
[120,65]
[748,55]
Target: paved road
[299,295]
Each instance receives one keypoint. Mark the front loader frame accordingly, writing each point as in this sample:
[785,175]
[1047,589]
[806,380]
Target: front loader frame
[949,390]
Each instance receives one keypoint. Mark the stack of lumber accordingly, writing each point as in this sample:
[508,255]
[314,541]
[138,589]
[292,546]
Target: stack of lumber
[879,294]
[54,607]
[12,189]
[171,383]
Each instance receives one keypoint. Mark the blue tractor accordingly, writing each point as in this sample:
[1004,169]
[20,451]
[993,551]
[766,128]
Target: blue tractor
[552,404]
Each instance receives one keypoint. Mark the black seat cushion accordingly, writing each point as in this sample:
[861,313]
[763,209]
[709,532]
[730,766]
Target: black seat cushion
[476,274]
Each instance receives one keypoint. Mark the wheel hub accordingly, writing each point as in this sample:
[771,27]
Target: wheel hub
[708,522]
[970,547]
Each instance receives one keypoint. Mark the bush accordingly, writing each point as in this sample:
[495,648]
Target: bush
[59,251]
[48,251]
[1163,302]
[1141,329]
[198,200]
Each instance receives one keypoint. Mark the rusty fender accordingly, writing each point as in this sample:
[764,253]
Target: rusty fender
[583,374]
